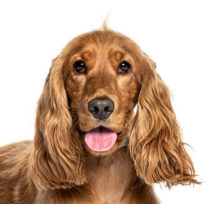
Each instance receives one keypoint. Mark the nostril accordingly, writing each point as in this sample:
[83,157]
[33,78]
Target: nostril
[107,109]
[96,109]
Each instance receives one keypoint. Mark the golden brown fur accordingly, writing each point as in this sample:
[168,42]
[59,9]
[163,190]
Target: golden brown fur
[58,167]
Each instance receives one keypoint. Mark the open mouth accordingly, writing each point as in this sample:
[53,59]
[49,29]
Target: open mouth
[100,139]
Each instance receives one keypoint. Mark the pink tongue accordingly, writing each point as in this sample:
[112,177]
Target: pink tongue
[100,139]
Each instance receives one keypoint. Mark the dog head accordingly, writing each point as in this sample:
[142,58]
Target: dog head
[87,106]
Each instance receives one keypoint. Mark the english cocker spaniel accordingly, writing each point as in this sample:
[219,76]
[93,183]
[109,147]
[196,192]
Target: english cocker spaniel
[89,146]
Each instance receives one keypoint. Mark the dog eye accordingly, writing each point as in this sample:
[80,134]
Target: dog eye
[79,67]
[124,67]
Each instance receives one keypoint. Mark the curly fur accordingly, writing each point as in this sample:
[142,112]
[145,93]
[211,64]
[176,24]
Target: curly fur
[156,145]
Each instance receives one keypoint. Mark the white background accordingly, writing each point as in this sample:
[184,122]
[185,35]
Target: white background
[183,37]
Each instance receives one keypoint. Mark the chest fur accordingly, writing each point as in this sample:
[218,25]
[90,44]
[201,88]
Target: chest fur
[110,177]
[109,181]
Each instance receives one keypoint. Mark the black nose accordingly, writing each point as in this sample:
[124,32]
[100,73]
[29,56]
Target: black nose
[101,108]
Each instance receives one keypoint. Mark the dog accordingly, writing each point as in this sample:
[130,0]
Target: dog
[90,147]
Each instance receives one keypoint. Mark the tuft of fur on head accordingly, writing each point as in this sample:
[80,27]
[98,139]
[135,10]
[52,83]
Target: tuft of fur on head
[104,25]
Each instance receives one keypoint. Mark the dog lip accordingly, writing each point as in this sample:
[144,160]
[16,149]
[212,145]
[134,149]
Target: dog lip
[100,127]
[119,133]
[80,131]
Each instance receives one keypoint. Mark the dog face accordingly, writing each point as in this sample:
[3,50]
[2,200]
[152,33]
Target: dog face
[102,80]
[87,107]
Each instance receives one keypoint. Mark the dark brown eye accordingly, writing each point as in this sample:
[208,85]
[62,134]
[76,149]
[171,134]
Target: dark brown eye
[124,67]
[79,67]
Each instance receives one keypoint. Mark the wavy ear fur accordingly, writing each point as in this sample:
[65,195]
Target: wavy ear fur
[155,142]
[57,159]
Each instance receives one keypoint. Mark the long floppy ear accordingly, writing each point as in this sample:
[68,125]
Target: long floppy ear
[155,142]
[57,159]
